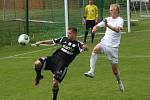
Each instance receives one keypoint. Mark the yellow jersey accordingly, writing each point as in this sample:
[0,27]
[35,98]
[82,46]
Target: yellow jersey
[91,12]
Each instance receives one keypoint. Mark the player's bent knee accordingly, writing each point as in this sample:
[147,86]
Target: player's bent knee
[55,83]
[38,64]
[97,49]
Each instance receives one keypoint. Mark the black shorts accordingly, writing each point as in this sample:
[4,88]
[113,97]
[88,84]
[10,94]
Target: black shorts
[90,24]
[57,65]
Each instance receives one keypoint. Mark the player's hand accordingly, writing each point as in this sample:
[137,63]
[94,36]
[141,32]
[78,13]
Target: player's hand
[85,47]
[105,21]
[35,44]
[96,21]
[84,21]
[94,29]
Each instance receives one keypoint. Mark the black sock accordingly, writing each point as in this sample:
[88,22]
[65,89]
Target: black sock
[92,37]
[85,36]
[55,92]
[38,72]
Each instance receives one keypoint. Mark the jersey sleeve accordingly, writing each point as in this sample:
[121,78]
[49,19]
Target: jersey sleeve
[80,44]
[101,24]
[57,40]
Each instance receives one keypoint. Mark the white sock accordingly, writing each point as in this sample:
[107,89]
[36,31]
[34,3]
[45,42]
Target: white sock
[93,62]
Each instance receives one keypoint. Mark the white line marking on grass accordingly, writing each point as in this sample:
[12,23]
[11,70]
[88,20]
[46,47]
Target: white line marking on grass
[101,56]
[137,56]
[22,57]
[3,58]
[148,56]
[141,31]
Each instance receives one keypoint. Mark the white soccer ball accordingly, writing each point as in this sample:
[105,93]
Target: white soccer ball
[23,39]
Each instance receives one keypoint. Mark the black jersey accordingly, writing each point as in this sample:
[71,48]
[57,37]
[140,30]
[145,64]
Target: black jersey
[69,49]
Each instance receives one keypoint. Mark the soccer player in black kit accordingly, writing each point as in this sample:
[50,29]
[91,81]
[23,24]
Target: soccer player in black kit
[60,59]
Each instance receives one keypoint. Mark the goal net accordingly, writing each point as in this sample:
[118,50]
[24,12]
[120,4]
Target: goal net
[140,9]
[47,17]
[145,8]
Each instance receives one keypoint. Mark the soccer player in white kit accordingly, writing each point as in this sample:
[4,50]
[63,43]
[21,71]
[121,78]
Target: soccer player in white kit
[109,43]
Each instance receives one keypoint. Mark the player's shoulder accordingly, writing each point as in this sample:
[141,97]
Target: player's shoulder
[80,42]
[95,6]
[64,38]
[87,6]
[59,37]
[120,19]
[108,18]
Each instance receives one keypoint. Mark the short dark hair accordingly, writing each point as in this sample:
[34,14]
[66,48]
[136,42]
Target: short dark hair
[73,29]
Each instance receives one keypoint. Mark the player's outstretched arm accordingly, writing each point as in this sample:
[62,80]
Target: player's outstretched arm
[100,24]
[45,42]
[94,29]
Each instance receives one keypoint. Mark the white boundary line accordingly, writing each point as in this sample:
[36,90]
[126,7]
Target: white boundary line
[38,21]
[23,57]
[3,58]
[137,56]
[141,31]
[16,56]
[102,56]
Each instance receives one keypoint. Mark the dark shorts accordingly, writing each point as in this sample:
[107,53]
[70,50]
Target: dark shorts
[56,64]
[90,24]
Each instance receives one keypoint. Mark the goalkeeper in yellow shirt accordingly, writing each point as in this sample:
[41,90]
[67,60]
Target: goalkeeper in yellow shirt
[90,18]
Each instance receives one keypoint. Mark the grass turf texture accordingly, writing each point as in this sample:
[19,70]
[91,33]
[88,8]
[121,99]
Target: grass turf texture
[17,74]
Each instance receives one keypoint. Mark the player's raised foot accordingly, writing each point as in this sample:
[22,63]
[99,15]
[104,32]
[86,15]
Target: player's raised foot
[37,79]
[89,74]
[120,86]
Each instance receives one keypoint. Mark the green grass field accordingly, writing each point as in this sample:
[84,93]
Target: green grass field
[17,62]
[17,74]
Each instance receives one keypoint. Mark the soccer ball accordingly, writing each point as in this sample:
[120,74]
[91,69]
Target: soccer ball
[23,39]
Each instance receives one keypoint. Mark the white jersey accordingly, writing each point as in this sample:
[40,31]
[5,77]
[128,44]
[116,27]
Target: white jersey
[112,38]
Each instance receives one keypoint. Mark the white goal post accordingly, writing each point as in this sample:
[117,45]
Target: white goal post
[66,15]
[128,16]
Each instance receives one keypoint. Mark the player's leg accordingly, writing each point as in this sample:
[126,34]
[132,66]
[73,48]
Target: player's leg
[86,34]
[86,31]
[92,33]
[116,72]
[112,54]
[55,88]
[93,59]
[59,74]
[117,76]
[38,67]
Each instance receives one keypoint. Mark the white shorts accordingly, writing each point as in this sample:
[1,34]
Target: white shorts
[112,53]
